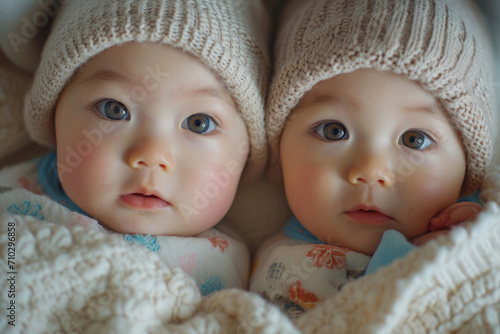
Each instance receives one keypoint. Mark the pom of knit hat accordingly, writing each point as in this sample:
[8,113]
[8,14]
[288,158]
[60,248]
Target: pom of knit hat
[442,44]
[231,37]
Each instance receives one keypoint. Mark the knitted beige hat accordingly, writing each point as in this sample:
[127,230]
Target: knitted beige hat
[230,36]
[439,43]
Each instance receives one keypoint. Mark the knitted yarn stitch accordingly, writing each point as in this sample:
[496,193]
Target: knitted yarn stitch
[439,43]
[229,36]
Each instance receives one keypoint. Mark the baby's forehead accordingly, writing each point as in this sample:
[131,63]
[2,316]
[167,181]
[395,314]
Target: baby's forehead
[367,88]
[147,66]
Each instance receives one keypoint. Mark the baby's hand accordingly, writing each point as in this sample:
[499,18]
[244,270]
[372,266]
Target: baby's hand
[455,214]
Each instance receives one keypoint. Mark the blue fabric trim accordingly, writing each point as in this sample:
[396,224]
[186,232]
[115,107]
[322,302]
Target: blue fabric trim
[472,198]
[393,246]
[295,230]
[49,179]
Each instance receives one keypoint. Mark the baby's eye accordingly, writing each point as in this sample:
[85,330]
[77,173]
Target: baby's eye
[416,140]
[332,131]
[199,123]
[113,110]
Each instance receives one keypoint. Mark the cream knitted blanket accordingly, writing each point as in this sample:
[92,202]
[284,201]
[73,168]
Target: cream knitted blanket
[76,280]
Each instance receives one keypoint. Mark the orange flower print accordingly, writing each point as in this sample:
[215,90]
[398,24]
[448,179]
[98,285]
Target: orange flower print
[329,256]
[302,297]
[219,242]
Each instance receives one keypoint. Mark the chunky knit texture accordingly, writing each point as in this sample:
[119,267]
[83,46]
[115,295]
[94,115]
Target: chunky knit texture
[81,280]
[439,43]
[229,36]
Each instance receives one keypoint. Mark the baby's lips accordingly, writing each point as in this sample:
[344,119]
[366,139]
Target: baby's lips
[147,202]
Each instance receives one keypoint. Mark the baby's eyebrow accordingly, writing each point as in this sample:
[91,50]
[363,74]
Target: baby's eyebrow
[215,92]
[316,99]
[104,76]
[432,110]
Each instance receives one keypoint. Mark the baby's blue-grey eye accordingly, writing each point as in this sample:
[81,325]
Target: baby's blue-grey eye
[332,131]
[113,110]
[199,123]
[416,140]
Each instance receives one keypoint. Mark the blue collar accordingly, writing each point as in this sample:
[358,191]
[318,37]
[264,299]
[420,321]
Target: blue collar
[51,185]
[294,229]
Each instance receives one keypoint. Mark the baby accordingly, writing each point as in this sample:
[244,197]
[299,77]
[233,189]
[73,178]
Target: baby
[155,109]
[380,116]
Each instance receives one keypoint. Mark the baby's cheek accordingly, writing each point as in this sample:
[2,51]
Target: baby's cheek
[428,197]
[213,193]
[304,188]
[80,174]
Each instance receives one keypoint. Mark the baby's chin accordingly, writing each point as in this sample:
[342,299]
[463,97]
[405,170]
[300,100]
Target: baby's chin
[145,227]
[140,227]
[367,249]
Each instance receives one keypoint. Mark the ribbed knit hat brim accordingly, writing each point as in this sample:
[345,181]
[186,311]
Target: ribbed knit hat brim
[438,43]
[230,36]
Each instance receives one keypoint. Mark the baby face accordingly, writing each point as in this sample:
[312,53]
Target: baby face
[149,141]
[366,152]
